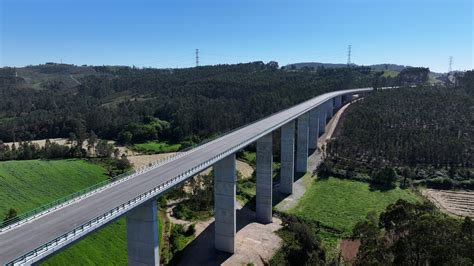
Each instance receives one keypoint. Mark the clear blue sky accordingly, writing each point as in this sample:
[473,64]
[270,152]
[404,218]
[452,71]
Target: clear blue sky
[166,33]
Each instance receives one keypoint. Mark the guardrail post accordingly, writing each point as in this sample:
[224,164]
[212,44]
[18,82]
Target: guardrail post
[287,166]
[302,144]
[224,204]
[313,128]
[142,235]
[264,179]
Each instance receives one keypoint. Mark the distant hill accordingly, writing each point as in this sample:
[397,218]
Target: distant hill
[378,67]
[49,75]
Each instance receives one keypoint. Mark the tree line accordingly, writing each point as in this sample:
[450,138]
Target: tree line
[414,234]
[192,104]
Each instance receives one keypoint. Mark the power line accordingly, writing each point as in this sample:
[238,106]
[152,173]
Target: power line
[450,64]
[197,57]
[349,51]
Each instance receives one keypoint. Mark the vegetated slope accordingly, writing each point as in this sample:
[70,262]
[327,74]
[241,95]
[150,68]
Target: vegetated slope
[25,185]
[108,246]
[427,128]
[198,102]
[340,204]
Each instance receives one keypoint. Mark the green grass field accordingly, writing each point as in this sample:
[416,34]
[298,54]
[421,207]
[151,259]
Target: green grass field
[25,185]
[390,73]
[340,204]
[156,147]
[108,246]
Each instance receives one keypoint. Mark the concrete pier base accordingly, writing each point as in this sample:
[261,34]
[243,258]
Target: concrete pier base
[264,179]
[287,165]
[302,144]
[224,204]
[142,235]
[313,128]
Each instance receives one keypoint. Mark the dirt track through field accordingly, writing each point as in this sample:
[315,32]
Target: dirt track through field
[460,203]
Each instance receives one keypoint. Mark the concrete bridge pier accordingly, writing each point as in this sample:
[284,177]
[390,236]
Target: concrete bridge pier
[313,128]
[287,166]
[142,235]
[337,102]
[346,98]
[302,144]
[224,204]
[329,109]
[264,179]
[322,119]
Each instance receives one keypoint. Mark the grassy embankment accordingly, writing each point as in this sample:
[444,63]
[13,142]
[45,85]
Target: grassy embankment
[339,204]
[25,185]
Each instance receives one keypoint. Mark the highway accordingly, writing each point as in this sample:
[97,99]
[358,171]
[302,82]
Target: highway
[26,237]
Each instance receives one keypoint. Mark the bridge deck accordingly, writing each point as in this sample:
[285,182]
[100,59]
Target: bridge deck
[26,237]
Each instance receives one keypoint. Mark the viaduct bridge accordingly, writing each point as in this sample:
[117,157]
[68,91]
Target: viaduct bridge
[33,239]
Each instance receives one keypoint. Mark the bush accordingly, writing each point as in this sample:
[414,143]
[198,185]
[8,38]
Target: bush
[440,183]
[301,244]
[385,177]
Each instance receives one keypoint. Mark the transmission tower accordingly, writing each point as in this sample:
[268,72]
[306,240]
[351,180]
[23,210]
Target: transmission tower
[450,64]
[349,51]
[197,57]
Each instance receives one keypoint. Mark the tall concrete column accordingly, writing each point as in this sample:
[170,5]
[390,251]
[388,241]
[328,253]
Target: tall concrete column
[313,128]
[224,204]
[142,235]
[264,179]
[329,109]
[349,97]
[287,165]
[338,102]
[302,144]
[346,98]
[322,119]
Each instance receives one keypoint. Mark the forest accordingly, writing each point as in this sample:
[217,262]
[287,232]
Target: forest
[190,104]
[427,133]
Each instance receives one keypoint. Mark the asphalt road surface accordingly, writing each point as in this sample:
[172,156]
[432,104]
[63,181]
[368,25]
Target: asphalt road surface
[26,237]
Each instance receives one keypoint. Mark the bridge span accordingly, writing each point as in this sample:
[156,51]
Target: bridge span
[32,240]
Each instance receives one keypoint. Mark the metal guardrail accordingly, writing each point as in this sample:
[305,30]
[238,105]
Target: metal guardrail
[85,228]
[47,208]
[83,193]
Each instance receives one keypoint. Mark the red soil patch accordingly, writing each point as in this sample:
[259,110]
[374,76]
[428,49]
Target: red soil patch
[349,249]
